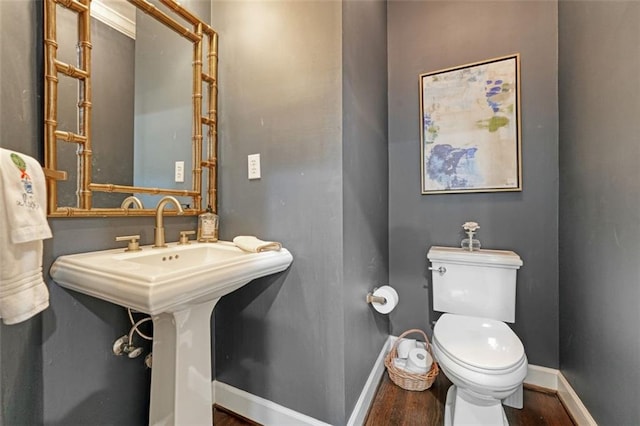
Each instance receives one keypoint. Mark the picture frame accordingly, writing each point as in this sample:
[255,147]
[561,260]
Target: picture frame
[470,135]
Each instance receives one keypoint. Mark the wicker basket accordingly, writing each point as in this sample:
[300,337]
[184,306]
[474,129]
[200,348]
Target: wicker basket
[405,379]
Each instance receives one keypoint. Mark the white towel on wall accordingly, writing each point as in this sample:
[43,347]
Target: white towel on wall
[23,298]
[25,197]
[23,226]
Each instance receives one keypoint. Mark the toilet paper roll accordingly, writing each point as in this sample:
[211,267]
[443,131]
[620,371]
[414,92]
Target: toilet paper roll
[419,361]
[388,293]
[405,346]
[400,363]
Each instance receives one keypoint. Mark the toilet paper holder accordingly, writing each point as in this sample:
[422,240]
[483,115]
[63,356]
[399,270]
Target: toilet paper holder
[375,299]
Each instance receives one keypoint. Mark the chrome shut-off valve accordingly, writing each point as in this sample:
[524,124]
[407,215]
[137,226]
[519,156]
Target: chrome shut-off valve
[122,346]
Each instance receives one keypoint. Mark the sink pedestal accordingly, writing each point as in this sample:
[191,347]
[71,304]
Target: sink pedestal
[181,372]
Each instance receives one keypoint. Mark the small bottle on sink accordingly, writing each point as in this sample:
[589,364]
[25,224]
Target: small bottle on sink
[208,226]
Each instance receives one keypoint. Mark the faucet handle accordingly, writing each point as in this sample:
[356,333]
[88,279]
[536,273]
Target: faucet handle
[133,242]
[184,236]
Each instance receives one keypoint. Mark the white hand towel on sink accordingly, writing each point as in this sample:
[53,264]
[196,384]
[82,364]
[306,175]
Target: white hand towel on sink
[23,226]
[254,245]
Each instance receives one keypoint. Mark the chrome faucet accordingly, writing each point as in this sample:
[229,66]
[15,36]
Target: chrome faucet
[158,231]
[131,200]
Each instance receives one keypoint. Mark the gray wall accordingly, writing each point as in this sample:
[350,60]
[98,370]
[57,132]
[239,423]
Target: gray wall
[57,368]
[281,67]
[305,339]
[600,207]
[433,35]
[20,344]
[365,185]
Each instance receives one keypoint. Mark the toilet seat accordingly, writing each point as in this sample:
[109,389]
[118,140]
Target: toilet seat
[480,344]
[464,344]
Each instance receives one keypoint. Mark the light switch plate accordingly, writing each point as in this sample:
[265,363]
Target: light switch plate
[253,163]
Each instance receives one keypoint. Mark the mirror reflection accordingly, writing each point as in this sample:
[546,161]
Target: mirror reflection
[163,109]
[113,59]
[152,127]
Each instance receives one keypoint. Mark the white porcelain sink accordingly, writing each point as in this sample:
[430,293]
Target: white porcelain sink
[156,280]
[179,286]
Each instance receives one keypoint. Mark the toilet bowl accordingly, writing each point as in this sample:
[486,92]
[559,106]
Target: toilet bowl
[486,363]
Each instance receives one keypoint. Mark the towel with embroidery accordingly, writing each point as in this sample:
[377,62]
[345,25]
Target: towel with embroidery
[24,193]
[23,226]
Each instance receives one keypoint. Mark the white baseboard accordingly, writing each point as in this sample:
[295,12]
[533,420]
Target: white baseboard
[259,409]
[553,379]
[573,403]
[269,413]
[543,377]
[360,411]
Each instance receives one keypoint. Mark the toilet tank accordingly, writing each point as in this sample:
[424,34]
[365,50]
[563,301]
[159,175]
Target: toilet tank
[479,283]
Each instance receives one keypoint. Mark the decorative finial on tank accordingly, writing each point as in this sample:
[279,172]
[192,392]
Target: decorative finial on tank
[470,243]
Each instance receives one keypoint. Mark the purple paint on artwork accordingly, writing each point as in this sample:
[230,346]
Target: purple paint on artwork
[452,167]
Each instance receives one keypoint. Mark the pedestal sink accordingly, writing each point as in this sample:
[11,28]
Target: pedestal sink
[178,286]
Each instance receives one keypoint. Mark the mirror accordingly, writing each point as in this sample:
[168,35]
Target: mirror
[121,116]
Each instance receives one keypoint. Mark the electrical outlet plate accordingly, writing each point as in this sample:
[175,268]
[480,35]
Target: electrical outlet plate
[253,164]
[179,171]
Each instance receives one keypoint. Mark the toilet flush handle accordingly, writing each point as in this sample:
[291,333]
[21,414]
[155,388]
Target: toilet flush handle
[441,269]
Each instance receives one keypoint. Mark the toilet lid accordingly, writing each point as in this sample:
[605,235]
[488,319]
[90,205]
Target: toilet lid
[479,342]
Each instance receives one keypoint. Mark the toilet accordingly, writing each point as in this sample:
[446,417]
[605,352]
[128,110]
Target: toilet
[476,350]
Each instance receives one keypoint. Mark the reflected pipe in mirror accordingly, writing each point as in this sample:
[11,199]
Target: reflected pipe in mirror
[163,110]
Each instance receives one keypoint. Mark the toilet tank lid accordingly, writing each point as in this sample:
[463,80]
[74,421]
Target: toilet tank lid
[504,258]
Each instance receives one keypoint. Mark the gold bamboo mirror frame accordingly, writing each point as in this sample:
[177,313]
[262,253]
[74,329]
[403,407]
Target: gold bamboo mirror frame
[203,155]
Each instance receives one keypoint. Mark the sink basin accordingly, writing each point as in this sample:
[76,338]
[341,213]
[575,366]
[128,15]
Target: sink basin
[156,280]
[178,286]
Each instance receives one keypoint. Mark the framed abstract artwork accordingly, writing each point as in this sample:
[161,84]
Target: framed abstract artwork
[470,128]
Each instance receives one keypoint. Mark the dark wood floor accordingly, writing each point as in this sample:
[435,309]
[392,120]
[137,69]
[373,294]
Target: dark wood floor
[223,417]
[394,406]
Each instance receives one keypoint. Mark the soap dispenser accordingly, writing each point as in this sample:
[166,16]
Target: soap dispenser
[208,226]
